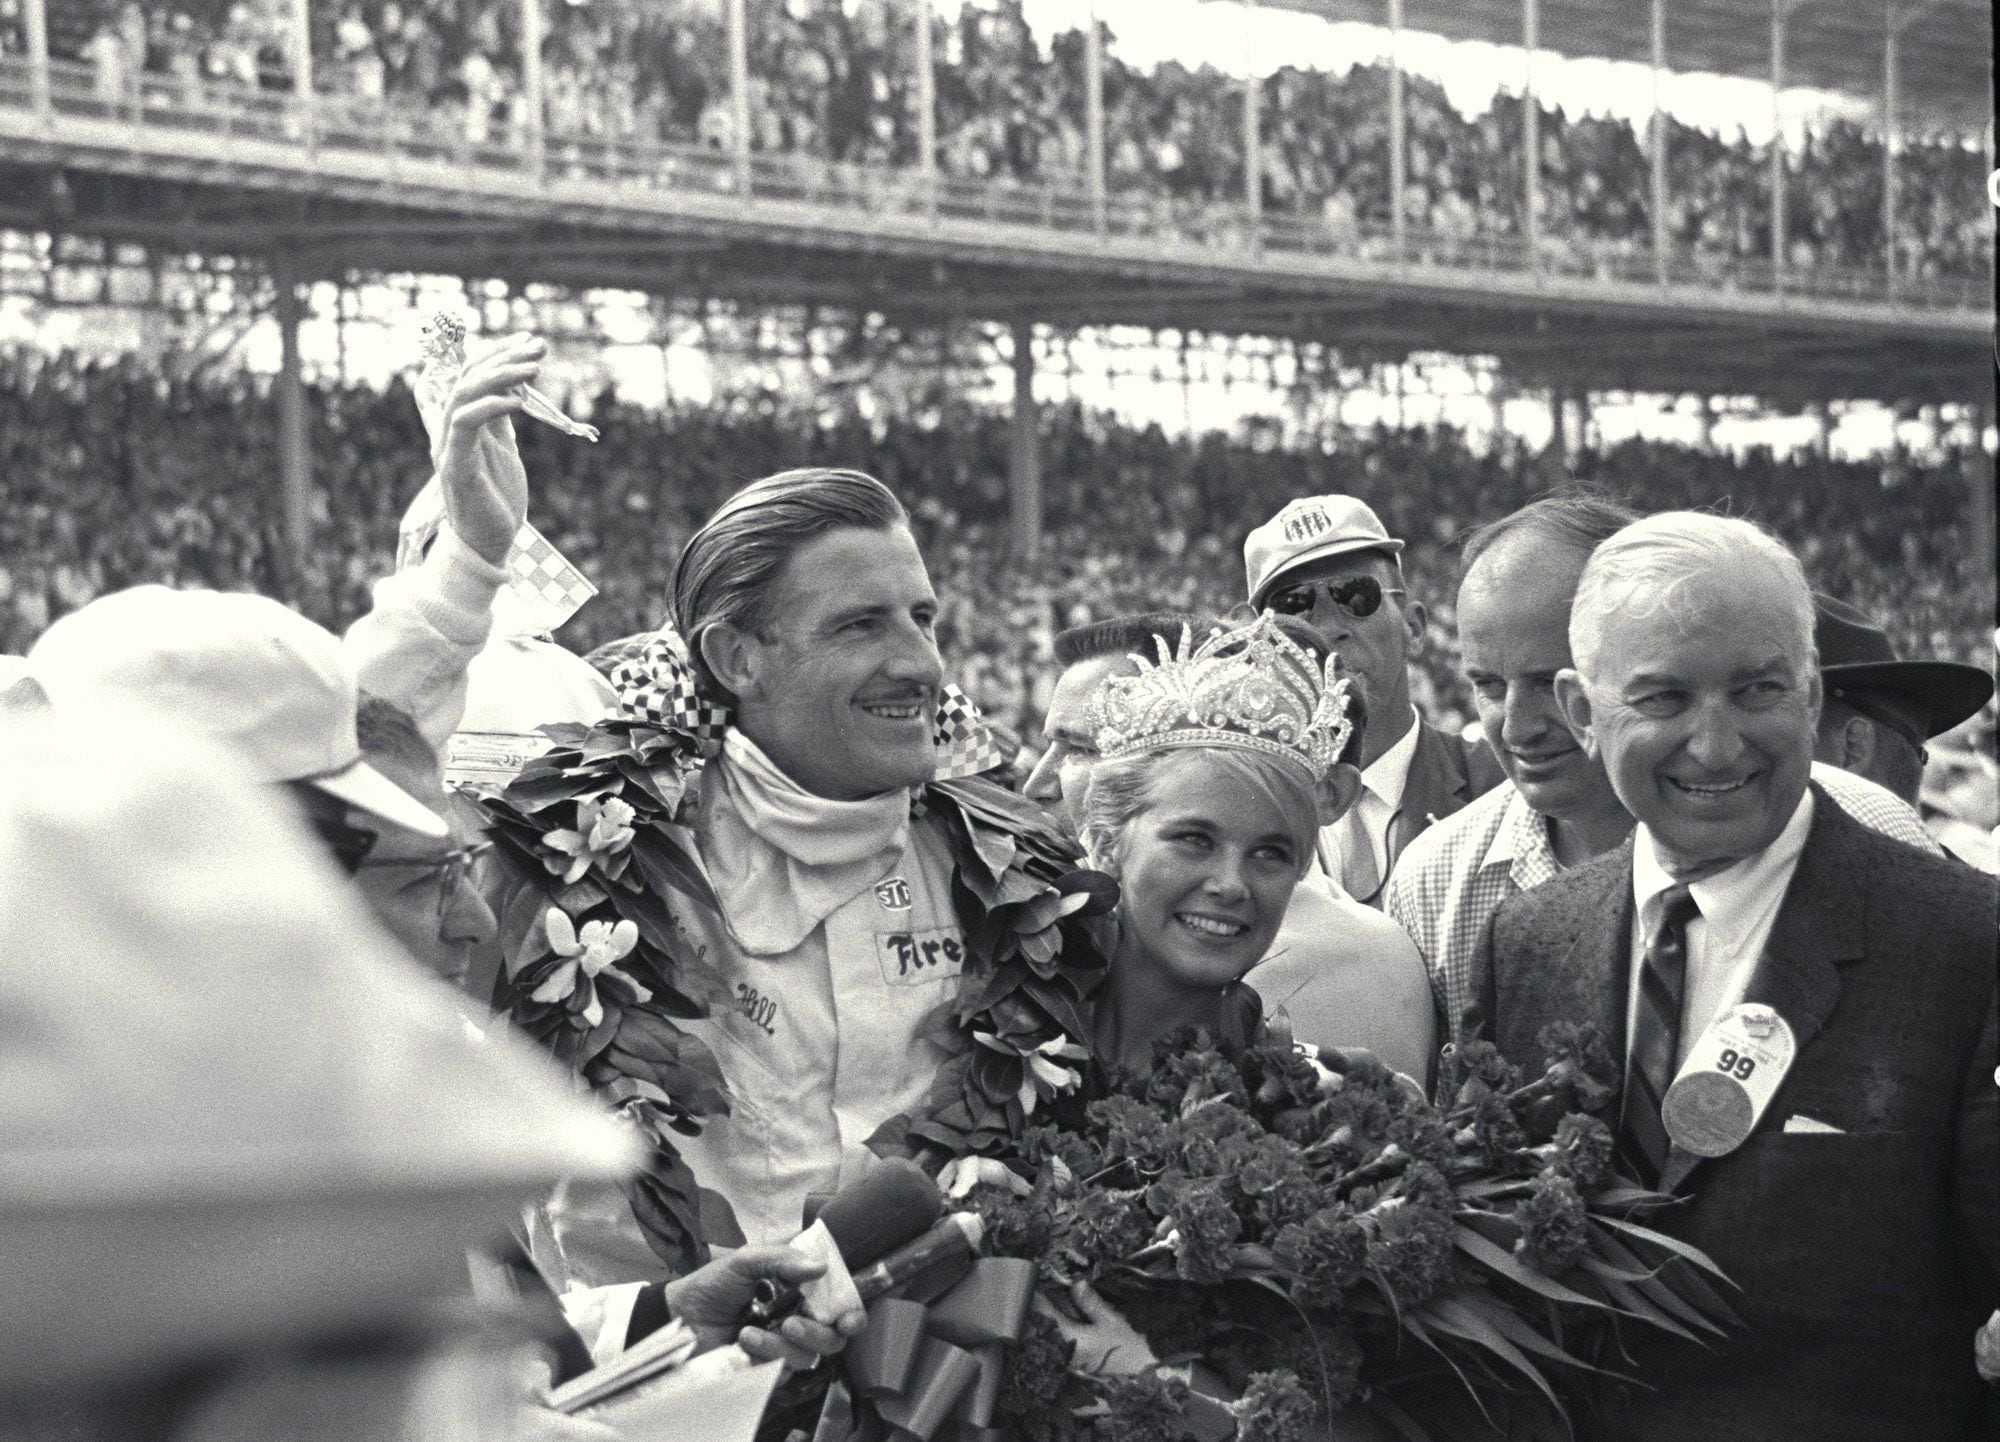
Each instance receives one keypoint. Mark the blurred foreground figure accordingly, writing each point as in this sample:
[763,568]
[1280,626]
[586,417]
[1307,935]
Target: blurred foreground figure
[247,1144]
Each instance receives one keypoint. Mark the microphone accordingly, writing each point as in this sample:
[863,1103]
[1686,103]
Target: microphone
[892,1206]
[957,1235]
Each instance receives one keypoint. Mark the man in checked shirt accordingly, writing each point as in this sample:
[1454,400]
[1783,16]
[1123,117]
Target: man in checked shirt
[1517,577]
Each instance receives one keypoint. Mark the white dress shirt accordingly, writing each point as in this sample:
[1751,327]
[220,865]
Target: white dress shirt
[1367,821]
[1739,905]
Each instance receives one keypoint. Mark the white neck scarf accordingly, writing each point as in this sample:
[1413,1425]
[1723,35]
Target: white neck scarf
[782,859]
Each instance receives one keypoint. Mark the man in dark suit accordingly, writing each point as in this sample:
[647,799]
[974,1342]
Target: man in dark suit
[1859,1210]
[1328,560]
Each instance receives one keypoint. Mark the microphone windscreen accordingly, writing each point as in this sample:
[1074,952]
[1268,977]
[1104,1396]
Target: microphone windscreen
[893,1204]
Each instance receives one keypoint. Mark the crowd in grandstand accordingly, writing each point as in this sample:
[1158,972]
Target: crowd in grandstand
[114,475]
[835,83]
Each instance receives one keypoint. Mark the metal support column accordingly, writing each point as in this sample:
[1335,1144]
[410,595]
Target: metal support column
[532,110]
[1399,163]
[1093,121]
[1779,12]
[1657,142]
[927,139]
[1892,38]
[35,21]
[739,92]
[1024,471]
[300,44]
[294,460]
[1253,143]
[1531,136]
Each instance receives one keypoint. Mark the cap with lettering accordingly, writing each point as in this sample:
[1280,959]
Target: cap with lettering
[1311,529]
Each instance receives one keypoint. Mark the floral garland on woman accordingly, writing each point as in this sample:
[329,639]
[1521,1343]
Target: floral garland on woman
[600,972]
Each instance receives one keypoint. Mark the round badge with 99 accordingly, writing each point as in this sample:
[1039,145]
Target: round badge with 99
[1728,1080]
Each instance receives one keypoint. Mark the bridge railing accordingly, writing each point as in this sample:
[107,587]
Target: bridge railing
[349,124]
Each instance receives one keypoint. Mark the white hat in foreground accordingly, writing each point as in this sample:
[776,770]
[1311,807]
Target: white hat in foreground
[230,1110]
[273,686]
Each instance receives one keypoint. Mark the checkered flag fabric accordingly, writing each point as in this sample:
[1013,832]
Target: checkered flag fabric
[543,589]
[656,684]
[965,746]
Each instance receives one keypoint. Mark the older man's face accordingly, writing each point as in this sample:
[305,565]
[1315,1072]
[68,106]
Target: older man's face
[1070,750]
[1705,719]
[1375,649]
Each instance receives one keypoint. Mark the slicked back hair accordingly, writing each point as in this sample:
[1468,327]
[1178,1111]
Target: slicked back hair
[1576,517]
[730,567]
[1123,635]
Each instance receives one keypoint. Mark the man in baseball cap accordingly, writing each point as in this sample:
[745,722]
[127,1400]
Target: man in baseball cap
[273,687]
[1328,560]
[1880,709]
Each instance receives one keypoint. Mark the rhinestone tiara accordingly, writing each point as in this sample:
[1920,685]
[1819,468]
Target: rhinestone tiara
[1250,686]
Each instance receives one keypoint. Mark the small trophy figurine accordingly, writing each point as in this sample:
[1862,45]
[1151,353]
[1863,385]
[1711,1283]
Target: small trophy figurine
[444,359]
[543,589]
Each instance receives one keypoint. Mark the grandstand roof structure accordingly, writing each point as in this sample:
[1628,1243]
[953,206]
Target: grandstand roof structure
[1946,45]
[317,188]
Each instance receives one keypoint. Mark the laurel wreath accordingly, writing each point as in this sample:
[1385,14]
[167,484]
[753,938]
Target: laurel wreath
[592,838]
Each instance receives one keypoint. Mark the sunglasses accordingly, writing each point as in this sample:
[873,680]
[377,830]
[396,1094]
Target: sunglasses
[1359,596]
[450,869]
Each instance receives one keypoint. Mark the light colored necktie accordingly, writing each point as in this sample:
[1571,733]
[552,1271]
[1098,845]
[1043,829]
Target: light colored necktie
[1360,874]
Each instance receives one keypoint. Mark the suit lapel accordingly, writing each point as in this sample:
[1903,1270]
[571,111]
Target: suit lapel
[1819,927]
[1587,980]
[1432,780]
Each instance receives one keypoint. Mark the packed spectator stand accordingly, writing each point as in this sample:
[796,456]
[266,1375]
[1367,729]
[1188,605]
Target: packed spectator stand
[833,84]
[115,475]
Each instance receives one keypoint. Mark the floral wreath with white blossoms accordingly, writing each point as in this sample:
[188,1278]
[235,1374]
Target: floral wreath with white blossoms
[592,836]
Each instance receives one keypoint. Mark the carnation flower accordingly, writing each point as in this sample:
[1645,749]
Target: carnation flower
[587,962]
[1187,1069]
[1274,1408]
[1477,1068]
[1580,1066]
[1554,1230]
[1495,1131]
[1326,1252]
[1130,1130]
[1016,1226]
[1102,1226]
[1204,1226]
[1581,1151]
[1035,1371]
[1409,1248]
[1144,1407]
[1041,1144]
[603,833]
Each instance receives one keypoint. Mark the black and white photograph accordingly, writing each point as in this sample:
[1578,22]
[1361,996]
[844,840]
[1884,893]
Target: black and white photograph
[999,721]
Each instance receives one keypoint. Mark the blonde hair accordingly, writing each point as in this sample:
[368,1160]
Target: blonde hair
[1121,790]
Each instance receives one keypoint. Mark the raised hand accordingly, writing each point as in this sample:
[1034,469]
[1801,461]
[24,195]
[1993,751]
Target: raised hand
[480,473]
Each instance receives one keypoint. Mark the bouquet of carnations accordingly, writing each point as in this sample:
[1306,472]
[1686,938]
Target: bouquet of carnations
[1309,1243]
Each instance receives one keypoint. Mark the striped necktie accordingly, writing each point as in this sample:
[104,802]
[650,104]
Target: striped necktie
[1656,1032]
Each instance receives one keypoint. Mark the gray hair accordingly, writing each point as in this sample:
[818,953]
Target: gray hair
[728,568]
[1120,789]
[1658,564]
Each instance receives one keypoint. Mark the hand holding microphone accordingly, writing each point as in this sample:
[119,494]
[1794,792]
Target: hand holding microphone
[712,1301]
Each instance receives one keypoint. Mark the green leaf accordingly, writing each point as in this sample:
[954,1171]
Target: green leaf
[1672,1244]
[1507,1266]
[1457,1317]
[1633,1303]
[666,865]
